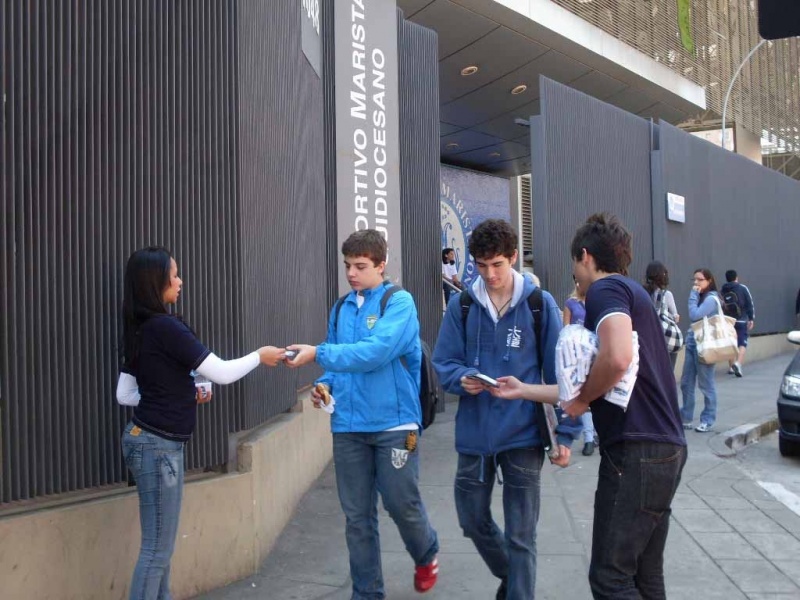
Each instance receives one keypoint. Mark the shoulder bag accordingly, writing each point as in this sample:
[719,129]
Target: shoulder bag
[672,333]
[716,337]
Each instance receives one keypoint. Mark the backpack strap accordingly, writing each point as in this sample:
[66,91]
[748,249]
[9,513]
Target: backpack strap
[536,304]
[391,289]
[465,301]
[337,308]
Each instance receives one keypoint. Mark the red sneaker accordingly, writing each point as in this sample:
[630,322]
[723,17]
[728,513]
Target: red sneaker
[425,576]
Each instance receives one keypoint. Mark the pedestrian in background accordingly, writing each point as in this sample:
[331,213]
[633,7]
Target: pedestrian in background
[656,283]
[160,353]
[644,448]
[737,302]
[703,302]
[575,314]
[449,274]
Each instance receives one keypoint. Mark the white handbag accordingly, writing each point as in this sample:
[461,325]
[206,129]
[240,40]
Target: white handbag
[716,338]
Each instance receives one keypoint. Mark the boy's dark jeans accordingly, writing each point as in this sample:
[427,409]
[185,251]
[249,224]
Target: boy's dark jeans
[636,484]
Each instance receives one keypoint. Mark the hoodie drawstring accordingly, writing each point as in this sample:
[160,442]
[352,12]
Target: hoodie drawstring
[477,362]
[482,476]
[497,476]
[507,355]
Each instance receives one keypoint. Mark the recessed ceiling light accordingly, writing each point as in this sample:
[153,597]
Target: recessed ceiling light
[470,70]
[494,154]
[519,89]
[452,146]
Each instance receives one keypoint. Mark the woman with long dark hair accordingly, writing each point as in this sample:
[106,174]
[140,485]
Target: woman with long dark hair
[160,354]
[657,283]
[703,302]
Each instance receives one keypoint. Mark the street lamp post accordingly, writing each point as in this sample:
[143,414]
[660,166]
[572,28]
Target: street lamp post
[730,87]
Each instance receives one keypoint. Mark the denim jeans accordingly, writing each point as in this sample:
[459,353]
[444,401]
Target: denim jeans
[588,426]
[636,484]
[694,370]
[157,466]
[371,463]
[510,556]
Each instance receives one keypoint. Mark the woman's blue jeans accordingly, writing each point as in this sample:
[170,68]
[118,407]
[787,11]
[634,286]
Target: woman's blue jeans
[588,426]
[703,375]
[371,463]
[510,556]
[157,466]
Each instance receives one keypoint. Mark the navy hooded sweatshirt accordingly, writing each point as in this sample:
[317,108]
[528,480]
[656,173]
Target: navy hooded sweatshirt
[486,425]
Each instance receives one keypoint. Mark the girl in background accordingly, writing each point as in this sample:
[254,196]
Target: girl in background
[656,283]
[449,274]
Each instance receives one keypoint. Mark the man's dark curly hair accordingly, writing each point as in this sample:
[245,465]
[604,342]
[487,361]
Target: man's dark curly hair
[493,237]
[606,239]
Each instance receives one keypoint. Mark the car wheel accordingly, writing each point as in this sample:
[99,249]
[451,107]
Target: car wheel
[788,447]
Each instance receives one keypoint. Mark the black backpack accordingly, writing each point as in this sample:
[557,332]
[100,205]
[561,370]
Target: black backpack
[731,305]
[428,382]
[536,304]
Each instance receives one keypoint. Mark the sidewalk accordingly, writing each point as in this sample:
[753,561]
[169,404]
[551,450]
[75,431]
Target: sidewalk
[728,538]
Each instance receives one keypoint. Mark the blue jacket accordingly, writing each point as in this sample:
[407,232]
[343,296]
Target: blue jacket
[374,391]
[486,425]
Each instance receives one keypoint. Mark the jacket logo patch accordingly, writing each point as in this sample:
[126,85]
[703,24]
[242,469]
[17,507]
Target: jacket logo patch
[514,338]
[371,320]
[399,458]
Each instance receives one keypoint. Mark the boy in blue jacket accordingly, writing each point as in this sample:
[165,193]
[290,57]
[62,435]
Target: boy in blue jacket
[372,371]
[496,435]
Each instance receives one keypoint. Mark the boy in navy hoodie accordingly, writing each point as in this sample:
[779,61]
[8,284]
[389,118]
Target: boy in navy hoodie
[494,435]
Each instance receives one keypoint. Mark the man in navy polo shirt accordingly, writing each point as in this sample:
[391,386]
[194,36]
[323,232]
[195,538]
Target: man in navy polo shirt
[643,448]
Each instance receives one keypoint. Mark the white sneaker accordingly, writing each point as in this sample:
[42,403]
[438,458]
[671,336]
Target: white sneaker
[737,369]
[703,428]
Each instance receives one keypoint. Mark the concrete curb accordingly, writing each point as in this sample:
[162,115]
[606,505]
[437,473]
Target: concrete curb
[728,443]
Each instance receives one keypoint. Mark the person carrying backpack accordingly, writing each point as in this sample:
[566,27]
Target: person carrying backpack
[491,330]
[738,303]
[372,360]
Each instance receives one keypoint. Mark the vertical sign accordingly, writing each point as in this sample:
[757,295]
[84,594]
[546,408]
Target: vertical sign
[310,38]
[367,128]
